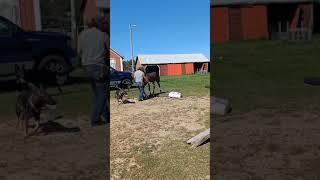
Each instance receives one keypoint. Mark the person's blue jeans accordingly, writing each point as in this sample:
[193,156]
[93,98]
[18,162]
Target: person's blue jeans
[99,87]
[141,90]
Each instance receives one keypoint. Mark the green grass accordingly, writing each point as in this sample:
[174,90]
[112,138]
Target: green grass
[75,102]
[266,74]
[188,85]
[77,98]
[176,161]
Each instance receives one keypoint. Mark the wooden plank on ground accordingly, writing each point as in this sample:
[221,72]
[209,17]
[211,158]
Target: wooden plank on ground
[200,138]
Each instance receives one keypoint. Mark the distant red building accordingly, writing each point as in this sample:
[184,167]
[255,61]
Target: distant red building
[173,64]
[116,60]
[259,19]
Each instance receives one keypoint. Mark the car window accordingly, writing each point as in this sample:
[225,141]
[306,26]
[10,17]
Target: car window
[4,29]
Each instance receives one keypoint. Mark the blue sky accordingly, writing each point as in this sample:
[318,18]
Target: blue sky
[163,27]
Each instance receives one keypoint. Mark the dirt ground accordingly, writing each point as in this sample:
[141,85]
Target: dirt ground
[149,126]
[266,144]
[70,149]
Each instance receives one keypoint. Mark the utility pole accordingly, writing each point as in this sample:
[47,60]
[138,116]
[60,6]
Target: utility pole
[131,46]
[73,23]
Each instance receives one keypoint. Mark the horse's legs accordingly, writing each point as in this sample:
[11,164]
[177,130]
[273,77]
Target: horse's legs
[158,82]
[154,86]
[149,90]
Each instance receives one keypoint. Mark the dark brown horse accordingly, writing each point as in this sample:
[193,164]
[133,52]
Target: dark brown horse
[151,78]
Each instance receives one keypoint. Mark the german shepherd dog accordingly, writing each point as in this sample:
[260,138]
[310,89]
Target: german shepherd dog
[120,94]
[39,78]
[30,103]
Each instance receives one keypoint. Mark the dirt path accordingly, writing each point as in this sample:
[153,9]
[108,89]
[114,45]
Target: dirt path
[266,144]
[152,124]
[64,153]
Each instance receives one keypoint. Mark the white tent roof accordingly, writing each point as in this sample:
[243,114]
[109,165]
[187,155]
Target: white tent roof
[171,58]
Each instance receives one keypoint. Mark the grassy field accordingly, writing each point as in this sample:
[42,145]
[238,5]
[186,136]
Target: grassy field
[75,102]
[149,137]
[188,85]
[274,112]
[266,74]
[77,98]
[174,159]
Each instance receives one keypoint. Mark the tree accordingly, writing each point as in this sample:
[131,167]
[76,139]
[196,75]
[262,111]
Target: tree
[127,65]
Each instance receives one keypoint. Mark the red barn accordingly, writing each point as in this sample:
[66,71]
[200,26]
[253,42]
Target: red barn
[116,60]
[25,13]
[173,64]
[260,19]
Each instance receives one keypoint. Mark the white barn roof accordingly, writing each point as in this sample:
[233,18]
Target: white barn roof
[236,2]
[172,58]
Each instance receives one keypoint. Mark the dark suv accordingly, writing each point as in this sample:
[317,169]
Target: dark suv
[120,78]
[41,50]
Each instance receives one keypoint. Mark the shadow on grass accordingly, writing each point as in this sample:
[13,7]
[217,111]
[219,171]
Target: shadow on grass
[313,81]
[205,142]
[54,127]
[132,87]
[150,96]
[126,101]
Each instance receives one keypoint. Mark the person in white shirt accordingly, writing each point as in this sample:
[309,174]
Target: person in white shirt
[139,79]
[92,48]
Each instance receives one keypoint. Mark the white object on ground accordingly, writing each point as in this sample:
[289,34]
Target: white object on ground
[220,106]
[200,138]
[175,95]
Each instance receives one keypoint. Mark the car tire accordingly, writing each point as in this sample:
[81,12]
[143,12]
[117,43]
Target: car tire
[127,83]
[55,63]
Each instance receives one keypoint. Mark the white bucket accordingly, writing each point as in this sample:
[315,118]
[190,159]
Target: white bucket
[175,95]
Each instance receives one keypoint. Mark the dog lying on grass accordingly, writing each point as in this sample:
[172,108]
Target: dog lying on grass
[30,103]
[120,95]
